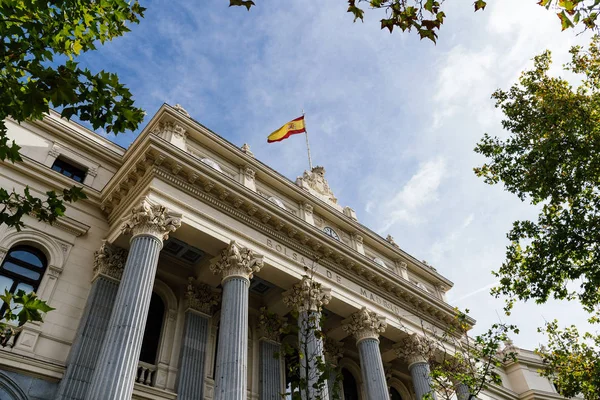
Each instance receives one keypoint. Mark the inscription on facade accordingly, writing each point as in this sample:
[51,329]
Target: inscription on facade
[334,277]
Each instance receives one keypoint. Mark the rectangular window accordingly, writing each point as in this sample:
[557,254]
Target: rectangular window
[69,169]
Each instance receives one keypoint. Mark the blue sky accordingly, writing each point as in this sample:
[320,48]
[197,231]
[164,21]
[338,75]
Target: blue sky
[393,119]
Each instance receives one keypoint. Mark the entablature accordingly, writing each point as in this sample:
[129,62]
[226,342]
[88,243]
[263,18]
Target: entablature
[155,158]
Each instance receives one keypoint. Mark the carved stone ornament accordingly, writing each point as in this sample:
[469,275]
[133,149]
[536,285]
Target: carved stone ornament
[201,297]
[179,131]
[358,238]
[308,209]
[365,324]
[236,260]
[182,110]
[415,348]
[307,295]
[246,149]
[334,350]
[391,241]
[151,219]
[271,325]
[250,173]
[110,261]
[314,181]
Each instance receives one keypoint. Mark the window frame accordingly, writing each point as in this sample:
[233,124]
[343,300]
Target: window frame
[75,170]
[334,235]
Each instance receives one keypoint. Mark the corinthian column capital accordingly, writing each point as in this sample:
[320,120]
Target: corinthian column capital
[415,348]
[236,260]
[152,220]
[307,295]
[365,324]
[109,261]
[201,297]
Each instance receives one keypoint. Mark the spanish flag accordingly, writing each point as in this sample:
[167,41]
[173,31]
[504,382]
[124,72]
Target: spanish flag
[287,130]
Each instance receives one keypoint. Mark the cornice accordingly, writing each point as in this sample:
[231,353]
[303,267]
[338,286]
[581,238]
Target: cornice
[53,179]
[156,158]
[71,226]
[94,144]
[272,177]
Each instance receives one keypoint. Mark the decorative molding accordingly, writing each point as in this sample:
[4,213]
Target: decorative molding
[358,238]
[201,297]
[238,261]
[151,219]
[71,226]
[415,349]
[54,152]
[308,209]
[307,295]
[109,261]
[271,325]
[54,271]
[365,324]
[246,149]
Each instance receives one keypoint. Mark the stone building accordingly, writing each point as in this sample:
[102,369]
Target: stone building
[170,279]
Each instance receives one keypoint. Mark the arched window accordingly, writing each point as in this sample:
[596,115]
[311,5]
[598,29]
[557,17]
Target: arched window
[380,262]
[349,385]
[22,269]
[329,231]
[153,329]
[395,395]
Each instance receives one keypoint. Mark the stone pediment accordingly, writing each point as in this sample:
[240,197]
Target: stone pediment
[316,184]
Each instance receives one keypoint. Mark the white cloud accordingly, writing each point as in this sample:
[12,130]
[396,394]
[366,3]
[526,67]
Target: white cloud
[407,205]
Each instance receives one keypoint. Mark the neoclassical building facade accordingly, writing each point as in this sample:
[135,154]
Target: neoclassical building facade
[175,277]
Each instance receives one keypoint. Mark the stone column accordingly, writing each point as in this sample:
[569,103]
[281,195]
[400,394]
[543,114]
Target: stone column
[113,377]
[462,392]
[237,265]
[271,379]
[308,297]
[334,350]
[108,269]
[417,350]
[366,326]
[201,300]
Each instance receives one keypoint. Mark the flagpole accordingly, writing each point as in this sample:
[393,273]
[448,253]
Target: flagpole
[307,145]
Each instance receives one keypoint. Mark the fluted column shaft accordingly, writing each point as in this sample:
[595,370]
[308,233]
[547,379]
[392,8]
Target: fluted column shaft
[270,370]
[113,378]
[371,366]
[232,354]
[420,373]
[366,326]
[311,346]
[193,356]
[463,392]
[88,340]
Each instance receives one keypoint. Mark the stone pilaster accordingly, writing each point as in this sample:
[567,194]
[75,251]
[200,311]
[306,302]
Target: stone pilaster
[307,297]
[334,351]
[237,265]
[417,351]
[366,326]
[114,375]
[271,380]
[108,268]
[201,300]
[462,392]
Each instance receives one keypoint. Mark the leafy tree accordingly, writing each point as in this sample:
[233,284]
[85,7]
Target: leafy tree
[426,16]
[17,309]
[552,159]
[40,42]
[573,360]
